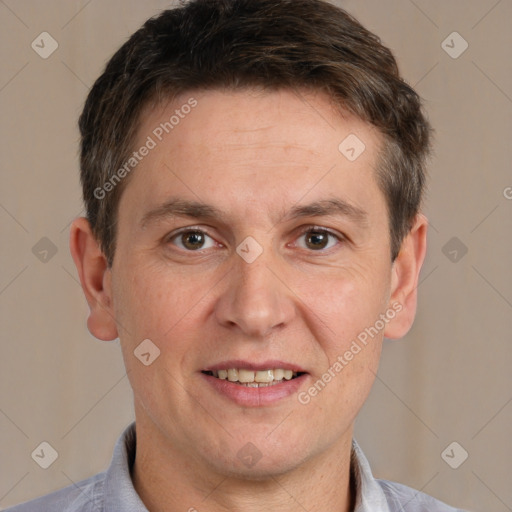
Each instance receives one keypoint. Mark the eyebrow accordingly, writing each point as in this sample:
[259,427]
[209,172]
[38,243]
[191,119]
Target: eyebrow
[332,207]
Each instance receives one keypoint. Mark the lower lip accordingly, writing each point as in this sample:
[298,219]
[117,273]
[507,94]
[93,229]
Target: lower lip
[255,397]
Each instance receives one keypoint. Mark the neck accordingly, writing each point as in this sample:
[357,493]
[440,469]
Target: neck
[168,480]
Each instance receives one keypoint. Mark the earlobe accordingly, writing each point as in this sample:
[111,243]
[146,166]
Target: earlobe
[404,279]
[95,277]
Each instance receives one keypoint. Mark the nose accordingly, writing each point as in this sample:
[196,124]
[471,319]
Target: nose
[256,301]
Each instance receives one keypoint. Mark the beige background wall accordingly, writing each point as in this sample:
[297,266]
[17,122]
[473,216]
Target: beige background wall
[448,380]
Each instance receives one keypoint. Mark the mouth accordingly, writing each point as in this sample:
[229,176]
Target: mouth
[254,384]
[254,378]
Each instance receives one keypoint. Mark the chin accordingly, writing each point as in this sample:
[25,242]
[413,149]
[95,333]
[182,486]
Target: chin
[258,460]
[260,472]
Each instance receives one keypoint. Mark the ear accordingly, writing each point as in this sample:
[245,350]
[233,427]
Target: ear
[95,277]
[404,279]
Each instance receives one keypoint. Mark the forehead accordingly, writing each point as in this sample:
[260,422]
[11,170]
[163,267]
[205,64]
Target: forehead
[249,116]
[253,147]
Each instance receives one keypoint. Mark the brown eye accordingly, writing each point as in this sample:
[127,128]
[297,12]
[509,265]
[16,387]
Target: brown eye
[192,240]
[316,240]
[319,239]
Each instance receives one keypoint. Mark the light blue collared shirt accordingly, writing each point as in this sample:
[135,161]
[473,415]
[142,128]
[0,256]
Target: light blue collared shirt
[113,491]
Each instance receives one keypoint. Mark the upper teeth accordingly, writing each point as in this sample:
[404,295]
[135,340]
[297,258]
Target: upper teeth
[242,375]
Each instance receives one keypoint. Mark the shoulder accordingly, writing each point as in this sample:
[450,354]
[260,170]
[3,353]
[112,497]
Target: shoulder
[84,496]
[407,499]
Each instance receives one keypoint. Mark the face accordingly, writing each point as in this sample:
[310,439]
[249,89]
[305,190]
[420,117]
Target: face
[247,242]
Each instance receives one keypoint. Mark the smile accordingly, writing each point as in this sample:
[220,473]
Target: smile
[254,379]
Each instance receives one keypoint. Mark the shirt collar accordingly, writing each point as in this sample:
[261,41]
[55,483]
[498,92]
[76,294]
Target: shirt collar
[369,494]
[119,488]
[119,493]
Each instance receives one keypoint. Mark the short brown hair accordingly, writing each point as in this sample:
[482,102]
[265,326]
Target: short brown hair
[233,44]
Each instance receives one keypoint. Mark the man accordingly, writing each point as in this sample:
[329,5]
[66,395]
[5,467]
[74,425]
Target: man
[253,173]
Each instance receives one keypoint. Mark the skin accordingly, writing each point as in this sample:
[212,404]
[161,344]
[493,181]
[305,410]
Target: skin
[253,155]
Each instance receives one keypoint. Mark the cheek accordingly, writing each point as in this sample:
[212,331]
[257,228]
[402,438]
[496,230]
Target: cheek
[170,309]
[342,311]
[153,306]
[148,304]
[344,302]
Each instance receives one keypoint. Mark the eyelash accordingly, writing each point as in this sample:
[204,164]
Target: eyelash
[307,229]
[323,231]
